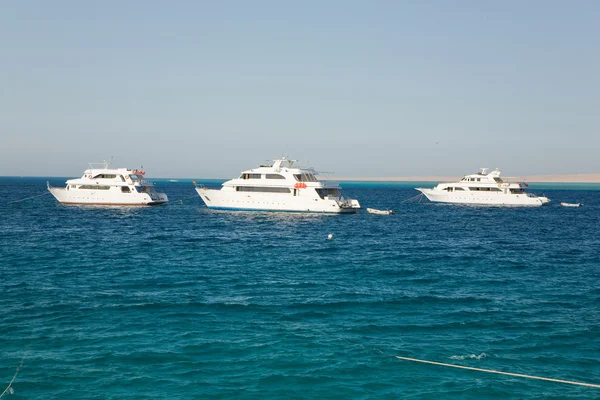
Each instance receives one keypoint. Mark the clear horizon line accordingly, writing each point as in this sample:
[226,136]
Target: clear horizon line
[550,178]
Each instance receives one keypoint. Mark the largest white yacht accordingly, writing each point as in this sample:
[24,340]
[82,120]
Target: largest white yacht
[484,188]
[279,186]
[109,186]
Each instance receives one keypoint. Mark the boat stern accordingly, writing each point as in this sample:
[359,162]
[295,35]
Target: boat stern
[544,200]
[158,198]
[349,205]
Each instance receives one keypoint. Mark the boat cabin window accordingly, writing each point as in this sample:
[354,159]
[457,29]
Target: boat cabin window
[105,176]
[498,180]
[459,188]
[262,189]
[484,189]
[125,189]
[94,187]
[274,176]
[517,191]
[328,192]
[122,178]
[305,177]
[250,176]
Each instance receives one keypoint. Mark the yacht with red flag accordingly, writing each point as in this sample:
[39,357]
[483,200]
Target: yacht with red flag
[109,187]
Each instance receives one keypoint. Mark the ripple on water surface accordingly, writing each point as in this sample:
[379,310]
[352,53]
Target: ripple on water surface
[183,302]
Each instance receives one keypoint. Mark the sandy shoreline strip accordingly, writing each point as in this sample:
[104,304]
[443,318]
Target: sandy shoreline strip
[561,178]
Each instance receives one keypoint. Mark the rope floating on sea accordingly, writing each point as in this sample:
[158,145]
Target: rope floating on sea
[28,198]
[180,201]
[415,198]
[500,372]
[8,388]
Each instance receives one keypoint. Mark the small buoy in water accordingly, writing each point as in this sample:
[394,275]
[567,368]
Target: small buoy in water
[330,236]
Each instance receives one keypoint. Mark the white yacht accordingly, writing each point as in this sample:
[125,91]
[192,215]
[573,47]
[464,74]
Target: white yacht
[484,188]
[112,187]
[279,186]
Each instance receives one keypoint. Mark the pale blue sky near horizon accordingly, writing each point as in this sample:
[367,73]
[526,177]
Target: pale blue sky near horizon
[359,88]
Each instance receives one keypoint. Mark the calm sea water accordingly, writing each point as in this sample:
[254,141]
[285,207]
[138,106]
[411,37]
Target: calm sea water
[180,302]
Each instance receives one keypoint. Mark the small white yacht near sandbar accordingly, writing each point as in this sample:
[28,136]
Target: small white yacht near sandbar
[109,187]
[486,189]
[279,186]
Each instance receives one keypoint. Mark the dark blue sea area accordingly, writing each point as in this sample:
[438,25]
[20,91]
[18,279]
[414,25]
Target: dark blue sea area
[181,302]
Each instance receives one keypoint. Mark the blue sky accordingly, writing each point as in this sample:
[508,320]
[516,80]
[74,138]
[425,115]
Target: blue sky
[362,88]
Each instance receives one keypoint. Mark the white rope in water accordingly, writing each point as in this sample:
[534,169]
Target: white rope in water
[415,198]
[500,372]
[27,198]
[8,388]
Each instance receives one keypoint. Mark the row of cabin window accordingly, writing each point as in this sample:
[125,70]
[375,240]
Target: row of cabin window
[107,176]
[259,176]
[124,189]
[498,180]
[321,192]
[474,189]
[483,189]
[92,187]
[298,177]
[262,189]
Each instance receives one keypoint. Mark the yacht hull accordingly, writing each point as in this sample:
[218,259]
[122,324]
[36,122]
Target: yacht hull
[497,199]
[243,201]
[107,198]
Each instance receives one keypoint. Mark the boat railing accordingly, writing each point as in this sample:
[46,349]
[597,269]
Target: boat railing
[198,185]
[330,183]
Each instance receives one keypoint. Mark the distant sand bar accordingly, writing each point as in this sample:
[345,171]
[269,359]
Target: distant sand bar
[562,178]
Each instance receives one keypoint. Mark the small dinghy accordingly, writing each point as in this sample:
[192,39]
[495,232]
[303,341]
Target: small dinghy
[379,212]
[570,204]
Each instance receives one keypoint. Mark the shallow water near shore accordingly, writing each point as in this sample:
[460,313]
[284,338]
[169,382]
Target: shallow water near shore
[179,301]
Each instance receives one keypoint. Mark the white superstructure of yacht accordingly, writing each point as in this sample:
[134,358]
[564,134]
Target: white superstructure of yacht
[279,186]
[111,187]
[484,188]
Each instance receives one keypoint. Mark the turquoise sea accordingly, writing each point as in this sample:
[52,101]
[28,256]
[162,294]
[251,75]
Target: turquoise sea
[180,302]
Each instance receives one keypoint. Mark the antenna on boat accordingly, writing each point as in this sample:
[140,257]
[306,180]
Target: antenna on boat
[107,163]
